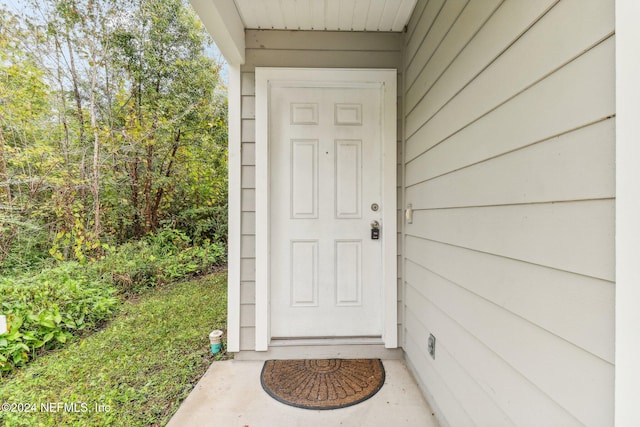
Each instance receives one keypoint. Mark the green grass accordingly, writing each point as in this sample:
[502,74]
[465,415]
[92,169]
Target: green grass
[134,372]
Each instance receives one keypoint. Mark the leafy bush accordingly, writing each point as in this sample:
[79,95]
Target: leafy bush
[23,244]
[204,223]
[141,365]
[158,259]
[46,309]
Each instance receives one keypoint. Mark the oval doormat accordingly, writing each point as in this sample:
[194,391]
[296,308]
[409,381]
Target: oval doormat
[322,383]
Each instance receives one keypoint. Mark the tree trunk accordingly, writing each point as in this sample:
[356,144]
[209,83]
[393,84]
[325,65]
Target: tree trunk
[167,174]
[4,176]
[135,202]
[95,188]
[148,183]
[62,112]
[76,90]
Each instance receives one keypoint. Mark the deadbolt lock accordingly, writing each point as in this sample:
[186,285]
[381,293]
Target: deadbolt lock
[375,230]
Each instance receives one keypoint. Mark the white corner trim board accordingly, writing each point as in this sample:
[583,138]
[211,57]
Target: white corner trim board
[627,377]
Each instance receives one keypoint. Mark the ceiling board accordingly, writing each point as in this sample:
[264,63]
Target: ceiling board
[342,15]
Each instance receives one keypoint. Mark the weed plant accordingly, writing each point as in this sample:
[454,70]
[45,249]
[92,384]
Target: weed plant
[47,309]
[134,372]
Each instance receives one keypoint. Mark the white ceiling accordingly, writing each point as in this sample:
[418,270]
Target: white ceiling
[333,15]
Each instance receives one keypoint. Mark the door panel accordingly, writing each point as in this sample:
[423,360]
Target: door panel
[348,179]
[304,179]
[348,272]
[325,147]
[304,273]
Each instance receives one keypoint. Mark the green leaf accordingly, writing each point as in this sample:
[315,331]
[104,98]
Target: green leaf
[16,323]
[47,323]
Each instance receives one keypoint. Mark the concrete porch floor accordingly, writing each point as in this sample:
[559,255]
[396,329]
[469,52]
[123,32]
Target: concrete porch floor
[230,395]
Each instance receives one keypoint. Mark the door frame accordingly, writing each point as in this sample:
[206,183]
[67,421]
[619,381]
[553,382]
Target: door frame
[330,77]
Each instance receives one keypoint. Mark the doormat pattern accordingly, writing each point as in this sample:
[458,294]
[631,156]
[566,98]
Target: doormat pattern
[322,383]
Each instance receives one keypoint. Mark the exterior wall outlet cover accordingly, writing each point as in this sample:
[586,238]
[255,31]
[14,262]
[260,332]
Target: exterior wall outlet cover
[408,213]
[431,346]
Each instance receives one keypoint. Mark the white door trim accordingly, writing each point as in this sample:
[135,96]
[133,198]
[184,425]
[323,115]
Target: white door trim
[329,77]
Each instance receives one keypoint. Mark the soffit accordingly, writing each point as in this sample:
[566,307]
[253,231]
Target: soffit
[326,15]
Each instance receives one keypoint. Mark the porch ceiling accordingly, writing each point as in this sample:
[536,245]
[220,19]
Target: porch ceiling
[332,15]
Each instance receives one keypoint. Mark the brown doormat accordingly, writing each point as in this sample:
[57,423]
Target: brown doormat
[322,383]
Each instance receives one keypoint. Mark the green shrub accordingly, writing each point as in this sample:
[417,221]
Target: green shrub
[141,366]
[204,223]
[46,309]
[157,259]
[23,245]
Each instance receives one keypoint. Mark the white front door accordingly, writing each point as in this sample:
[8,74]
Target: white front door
[325,171]
[326,191]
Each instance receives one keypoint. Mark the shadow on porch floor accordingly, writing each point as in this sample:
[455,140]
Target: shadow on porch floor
[230,395]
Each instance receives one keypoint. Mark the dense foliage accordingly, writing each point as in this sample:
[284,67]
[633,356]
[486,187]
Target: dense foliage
[162,258]
[47,309]
[134,372]
[112,127]
[112,162]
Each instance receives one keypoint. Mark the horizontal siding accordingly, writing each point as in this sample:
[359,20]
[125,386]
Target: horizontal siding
[431,380]
[509,165]
[586,98]
[321,59]
[248,269]
[248,154]
[471,19]
[248,225]
[425,13]
[569,236]
[247,338]
[269,48]
[247,292]
[462,385]
[332,41]
[247,243]
[507,179]
[248,130]
[522,402]
[248,200]
[558,369]
[248,177]
[448,15]
[322,50]
[571,306]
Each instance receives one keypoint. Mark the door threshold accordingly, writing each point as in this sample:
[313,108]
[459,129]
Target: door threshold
[291,342]
[323,351]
